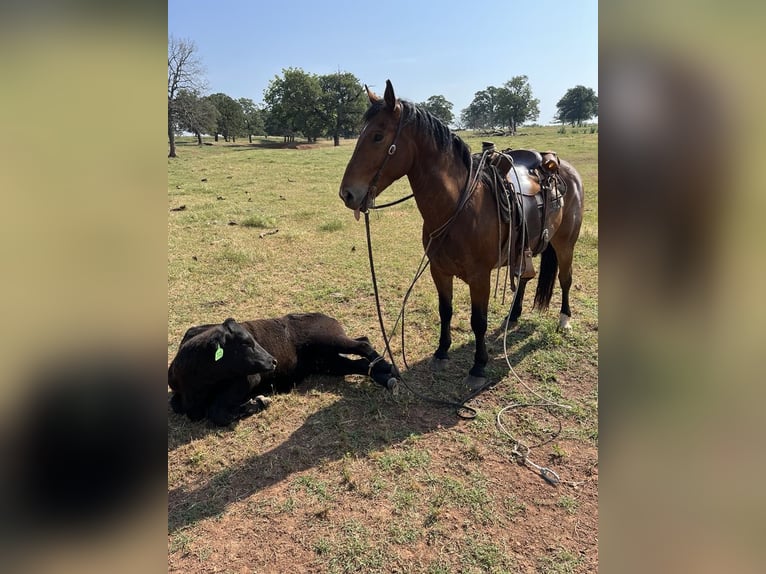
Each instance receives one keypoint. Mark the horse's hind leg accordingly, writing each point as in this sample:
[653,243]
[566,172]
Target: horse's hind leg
[564,254]
[444,287]
[563,241]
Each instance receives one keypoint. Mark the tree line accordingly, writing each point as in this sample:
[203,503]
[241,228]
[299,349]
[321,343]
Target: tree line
[301,104]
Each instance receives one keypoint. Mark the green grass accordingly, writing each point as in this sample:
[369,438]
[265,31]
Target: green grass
[568,503]
[313,486]
[259,221]
[561,561]
[338,475]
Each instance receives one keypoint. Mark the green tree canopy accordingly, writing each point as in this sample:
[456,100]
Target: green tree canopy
[481,113]
[342,105]
[231,117]
[253,118]
[578,105]
[194,114]
[293,100]
[515,105]
[301,103]
[439,107]
[508,106]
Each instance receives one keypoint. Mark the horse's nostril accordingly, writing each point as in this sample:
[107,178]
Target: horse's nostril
[348,197]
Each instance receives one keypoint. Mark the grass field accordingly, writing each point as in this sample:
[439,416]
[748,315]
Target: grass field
[339,475]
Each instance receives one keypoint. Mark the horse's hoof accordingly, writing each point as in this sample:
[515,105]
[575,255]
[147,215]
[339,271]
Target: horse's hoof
[509,324]
[564,323]
[393,386]
[438,365]
[474,383]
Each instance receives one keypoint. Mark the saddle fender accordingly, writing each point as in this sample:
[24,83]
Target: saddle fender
[532,177]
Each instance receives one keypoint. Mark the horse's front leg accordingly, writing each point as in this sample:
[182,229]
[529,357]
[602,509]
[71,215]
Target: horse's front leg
[480,288]
[444,285]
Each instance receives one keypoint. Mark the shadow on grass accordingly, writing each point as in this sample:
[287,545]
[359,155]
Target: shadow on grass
[260,144]
[366,419]
[263,144]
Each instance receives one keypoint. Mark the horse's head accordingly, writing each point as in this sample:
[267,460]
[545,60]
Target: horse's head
[380,156]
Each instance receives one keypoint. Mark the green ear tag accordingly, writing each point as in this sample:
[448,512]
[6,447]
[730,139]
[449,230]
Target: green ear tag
[218,353]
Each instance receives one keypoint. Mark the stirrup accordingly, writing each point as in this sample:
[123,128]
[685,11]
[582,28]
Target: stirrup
[528,268]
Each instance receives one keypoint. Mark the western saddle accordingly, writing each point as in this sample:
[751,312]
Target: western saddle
[530,195]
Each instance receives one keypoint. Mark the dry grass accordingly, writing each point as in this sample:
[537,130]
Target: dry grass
[338,475]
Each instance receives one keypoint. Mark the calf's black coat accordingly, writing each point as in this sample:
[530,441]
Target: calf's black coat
[219,367]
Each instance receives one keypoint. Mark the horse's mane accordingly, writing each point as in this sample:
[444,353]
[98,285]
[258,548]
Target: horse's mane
[426,122]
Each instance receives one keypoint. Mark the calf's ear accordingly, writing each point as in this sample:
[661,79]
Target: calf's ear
[216,344]
[231,330]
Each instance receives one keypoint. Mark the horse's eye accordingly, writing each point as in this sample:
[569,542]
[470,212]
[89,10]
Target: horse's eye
[377,138]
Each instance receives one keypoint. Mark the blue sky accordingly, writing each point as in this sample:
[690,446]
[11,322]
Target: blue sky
[425,47]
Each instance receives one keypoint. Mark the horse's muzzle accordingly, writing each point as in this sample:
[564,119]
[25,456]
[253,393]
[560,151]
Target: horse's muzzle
[354,198]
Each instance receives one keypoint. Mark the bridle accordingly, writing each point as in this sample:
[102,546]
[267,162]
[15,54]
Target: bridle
[373,187]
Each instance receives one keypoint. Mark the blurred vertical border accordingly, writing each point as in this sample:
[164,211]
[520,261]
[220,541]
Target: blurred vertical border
[83,258]
[683,273]
[83,291]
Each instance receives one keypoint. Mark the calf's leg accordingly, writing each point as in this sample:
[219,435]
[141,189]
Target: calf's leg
[229,398]
[371,363]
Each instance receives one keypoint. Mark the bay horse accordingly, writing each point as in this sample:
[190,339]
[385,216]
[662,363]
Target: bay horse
[461,224]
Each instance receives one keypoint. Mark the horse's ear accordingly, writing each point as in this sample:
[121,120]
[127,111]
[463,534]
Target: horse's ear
[390,98]
[371,95]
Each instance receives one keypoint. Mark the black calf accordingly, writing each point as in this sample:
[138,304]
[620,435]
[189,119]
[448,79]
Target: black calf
[218,368]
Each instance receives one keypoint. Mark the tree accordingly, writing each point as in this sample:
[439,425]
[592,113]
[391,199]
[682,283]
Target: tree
[293,100]
[508,106]
[272,123]
[515,104]
[481,113]
[253,118]
[578,105]
[342,104]
[231,118]
[184,73]
[439,107]
[195,114]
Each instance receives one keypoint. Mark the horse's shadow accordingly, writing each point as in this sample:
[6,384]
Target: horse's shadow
[364,420]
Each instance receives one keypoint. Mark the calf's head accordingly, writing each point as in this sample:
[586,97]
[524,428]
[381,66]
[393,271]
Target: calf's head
[211,354]
[232,350]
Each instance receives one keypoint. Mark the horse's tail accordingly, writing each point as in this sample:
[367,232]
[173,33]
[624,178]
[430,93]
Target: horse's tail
[549,266]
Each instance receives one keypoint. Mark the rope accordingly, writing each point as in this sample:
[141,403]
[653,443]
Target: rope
[461,407]
[521,451]
[471,183]
[522,456]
